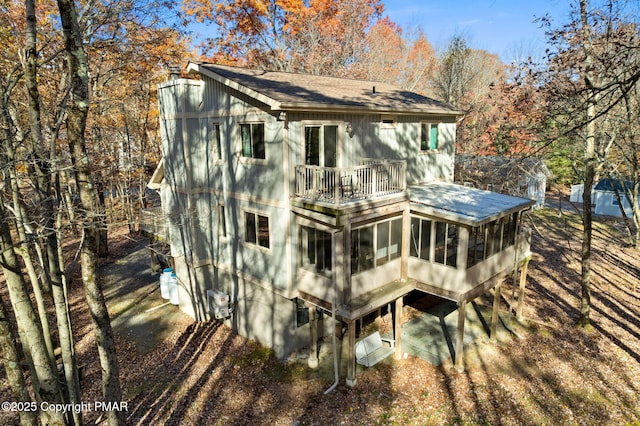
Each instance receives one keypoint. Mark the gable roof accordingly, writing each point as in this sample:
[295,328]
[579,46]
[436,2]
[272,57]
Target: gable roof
[306,92]
[608,184]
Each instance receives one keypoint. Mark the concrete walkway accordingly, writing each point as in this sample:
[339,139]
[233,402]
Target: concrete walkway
[132,293]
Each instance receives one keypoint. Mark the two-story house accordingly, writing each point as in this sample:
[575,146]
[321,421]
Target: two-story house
[309,199]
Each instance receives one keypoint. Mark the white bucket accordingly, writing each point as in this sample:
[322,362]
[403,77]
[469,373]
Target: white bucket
[164,282]
[173,289]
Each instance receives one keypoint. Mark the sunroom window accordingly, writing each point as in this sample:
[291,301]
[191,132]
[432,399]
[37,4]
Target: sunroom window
[434,241]
[315,248]
[376,244]
[491,238]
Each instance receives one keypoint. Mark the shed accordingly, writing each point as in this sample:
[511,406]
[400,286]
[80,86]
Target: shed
[605,200]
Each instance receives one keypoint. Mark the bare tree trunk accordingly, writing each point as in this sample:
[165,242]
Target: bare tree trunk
[41,178]
[64,194]
[78,109]
[40,290]
[48,387]
[634,163]
[590,166]
[13,370]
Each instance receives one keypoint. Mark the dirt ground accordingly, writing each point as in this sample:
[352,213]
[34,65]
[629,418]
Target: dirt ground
[547,371]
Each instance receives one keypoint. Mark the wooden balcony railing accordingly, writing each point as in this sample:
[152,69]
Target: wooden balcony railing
[338,185]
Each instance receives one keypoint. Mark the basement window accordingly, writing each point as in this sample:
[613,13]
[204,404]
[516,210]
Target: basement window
[301,312]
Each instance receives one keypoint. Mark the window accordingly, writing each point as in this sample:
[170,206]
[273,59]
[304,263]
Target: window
[362,249]
[420,238]
[491,238]
[388,241]
[315,248]
[623,197]
[253,145]
[375,245]
[301,312]
[321,144]
[222,221]
[475,253]
[217,142]
[428,137]
[434,241]
[446,244]
[509,231]
[256,229]
[494,237]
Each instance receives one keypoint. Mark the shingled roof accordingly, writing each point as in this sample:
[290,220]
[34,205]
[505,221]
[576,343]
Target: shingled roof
[290,91]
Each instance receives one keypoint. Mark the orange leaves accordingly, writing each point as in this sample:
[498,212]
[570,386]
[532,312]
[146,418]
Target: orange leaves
[310,36]
[201,10]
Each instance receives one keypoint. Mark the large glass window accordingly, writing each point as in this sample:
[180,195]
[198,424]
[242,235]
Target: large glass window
[446,244]
[256,229]
[321,145]
[362,249]
[315,248]
[388,241]
[475,253]
[420,238]
[253,145]
[376,244]
[439,238]
[509,231]
[494,237]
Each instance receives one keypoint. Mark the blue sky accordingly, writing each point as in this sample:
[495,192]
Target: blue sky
[504,27]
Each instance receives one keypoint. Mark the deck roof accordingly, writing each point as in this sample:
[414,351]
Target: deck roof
[292,91]
[461,204]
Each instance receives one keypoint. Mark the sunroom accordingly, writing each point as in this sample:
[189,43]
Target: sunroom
[443,239]
[464,242]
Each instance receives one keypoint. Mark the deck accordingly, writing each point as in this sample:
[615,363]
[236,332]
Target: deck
[338,186]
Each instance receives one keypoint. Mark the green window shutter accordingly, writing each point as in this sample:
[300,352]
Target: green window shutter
[433,137]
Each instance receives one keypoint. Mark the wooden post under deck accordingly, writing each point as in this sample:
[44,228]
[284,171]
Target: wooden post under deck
[313,326]
[523,281]
[397,328]
[351,354]
[459,361]
[496,308]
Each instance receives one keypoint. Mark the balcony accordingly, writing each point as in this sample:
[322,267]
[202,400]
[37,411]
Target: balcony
[341,185]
